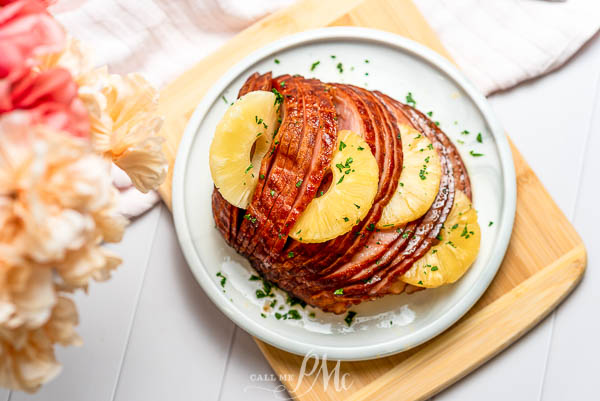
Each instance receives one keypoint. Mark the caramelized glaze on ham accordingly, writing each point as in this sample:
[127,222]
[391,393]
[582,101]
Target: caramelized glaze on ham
[365,263]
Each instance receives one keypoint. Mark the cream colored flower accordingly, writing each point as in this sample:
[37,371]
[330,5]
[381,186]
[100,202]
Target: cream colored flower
[60,200]
[124,124]
[27,357]
[27,295]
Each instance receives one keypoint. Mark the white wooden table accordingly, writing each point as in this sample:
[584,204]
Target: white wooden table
[151,334]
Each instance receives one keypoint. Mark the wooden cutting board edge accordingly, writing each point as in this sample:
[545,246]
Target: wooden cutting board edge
[554,281]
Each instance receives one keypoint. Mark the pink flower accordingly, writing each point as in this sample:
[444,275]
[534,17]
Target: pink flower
[26,30]
[49,97]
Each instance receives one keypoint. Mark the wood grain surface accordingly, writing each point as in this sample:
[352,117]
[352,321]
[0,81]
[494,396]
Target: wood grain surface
[544,262]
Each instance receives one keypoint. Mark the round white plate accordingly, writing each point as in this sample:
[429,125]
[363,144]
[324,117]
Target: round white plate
[396,66]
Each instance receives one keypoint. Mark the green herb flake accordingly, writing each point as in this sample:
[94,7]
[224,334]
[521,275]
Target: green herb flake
[357,206]
[248,168]
[339,291]
[342,145]
[298,183]
[430,113]
[340,67]
[254,277]
[434,268]
[479,138]
[223,279]
[314,65]
[272,192]
[465,132]
[290,254]
[475,154]
[491,223]
[349,317]
[224,99]
[340,180]
[410,100]
[276,61]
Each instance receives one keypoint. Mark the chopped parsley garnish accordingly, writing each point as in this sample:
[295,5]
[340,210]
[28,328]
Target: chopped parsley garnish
[451,244]
[434,268]
[223,279]
[438,237]
[340,180]
[479,138]
[298,183]
[254,277]
[278,97]
[371,227]
[312,314]
[410,100]
[263,315]
[339,291]
[314,65]
[346,219]
[366,61]
[430,113]
[349,317]
[290,254]
[430,146]
[248,168]
[250,218]
[342,145]
[454,227]
[474,154]
[420,282]
[262,176]
[340,67]
[332,56]
[293,314]
[224,99]
[282,84]
[360,148]
[465,132]
[295,301]
[388,225]
[276,61]
[272,192]
[357,206]
[466,233]
[491,223]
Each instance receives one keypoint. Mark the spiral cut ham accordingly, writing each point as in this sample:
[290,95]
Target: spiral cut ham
[365,263]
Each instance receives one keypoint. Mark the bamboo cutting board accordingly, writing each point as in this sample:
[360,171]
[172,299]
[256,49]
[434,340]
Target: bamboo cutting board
[544,262]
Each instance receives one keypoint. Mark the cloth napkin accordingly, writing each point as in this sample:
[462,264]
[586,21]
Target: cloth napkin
[496,43]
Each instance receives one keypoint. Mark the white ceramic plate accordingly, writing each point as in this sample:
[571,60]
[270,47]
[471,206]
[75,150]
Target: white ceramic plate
[395,66]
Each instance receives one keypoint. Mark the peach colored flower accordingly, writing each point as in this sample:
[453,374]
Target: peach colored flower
[60,200]
[124,125]
[27,357]
[122,110]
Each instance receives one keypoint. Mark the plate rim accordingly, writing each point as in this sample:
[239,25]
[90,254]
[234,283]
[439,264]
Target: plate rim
[372,351]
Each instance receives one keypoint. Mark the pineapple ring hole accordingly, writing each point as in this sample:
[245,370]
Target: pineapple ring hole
[258,150]
[325,183]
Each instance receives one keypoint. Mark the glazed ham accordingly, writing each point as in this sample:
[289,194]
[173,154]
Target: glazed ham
[365,263]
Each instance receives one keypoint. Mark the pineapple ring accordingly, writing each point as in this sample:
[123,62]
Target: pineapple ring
[419,181]
[447,261]
[355,178]
[247,124]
